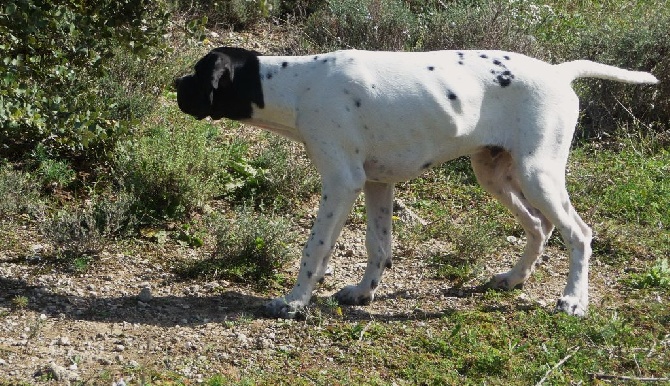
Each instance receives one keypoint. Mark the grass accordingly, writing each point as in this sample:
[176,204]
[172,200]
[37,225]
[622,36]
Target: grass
[474,348]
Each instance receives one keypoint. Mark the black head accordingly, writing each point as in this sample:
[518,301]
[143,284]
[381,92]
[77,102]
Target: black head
[226,83]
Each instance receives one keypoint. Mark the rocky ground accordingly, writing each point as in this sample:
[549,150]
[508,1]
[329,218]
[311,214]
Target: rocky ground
[129,316]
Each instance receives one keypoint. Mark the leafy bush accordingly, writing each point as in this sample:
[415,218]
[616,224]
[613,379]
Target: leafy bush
[78,235]
[251,247]
[53,54]
[284,175]
[363,24]
[177,167]
[20,194]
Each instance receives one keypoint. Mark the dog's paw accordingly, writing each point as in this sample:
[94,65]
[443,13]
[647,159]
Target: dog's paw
[571,305]
[281,309]
[352,295]
[505,282]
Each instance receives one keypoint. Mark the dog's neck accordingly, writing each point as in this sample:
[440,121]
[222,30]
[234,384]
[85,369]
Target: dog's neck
[280,79]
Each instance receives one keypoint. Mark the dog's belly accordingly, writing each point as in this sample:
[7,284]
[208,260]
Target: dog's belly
[405,163]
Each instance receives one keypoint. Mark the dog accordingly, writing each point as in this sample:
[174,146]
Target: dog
[371,119]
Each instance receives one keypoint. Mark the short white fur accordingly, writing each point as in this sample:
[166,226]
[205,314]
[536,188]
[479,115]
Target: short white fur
[370,119]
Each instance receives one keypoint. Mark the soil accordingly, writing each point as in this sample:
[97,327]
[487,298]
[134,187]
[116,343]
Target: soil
[129,310]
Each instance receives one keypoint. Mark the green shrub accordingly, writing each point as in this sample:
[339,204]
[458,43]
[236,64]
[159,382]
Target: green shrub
[20,194]
[284,175]
[53,54]
[481,25]
[178,166]
[251,247]
[633,45]
[363,24]
[79,234]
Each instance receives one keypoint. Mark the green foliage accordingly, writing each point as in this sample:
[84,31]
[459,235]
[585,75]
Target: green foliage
[251,247]
[283,175]
[20,194]
[51,173]
[176,168]
[364,24]
[657,276]
[53,54]
[80,234]
[615,36]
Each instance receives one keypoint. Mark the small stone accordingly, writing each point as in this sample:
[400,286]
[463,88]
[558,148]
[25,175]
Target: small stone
[145,295]
[511,239]
[64,341]
[120,382]
[58,373]
[119,347]
[242,338]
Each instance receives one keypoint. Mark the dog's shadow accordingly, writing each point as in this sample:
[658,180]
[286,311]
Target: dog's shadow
[159,310]
[222,307]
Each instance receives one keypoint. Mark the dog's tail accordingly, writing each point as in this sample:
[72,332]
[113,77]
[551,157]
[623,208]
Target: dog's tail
[588,69]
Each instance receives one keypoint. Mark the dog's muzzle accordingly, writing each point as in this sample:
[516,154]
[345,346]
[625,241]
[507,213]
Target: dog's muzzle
[190,98]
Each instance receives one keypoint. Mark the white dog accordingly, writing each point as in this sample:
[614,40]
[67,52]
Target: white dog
[371,119]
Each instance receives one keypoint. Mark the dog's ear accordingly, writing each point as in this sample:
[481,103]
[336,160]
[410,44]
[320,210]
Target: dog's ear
[236,84]
[214,70]
[222,73]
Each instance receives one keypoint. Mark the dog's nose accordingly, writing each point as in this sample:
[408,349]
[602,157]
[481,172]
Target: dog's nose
[176,83]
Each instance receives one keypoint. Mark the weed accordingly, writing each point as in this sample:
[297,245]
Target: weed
[20,194]
[656,276]
[284,176]
[20,301]
[251,247]
[80,234]
[177,166]
[52,173]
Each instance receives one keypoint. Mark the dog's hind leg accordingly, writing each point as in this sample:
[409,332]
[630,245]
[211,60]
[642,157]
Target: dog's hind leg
[379,210]
[341,187]
[543,183]
[493,169]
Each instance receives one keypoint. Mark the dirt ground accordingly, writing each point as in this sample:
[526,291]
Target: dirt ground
[129,312]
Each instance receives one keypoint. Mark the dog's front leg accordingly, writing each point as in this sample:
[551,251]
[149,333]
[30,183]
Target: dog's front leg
[379,210]
[338,196]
